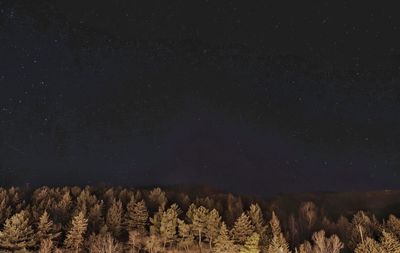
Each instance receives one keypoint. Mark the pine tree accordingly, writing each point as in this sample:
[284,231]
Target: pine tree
[335,244]
[169,222]
[361,226]
[212,226]
[308,215]
[95,218]
[157,198]
[45,228]
[104,244]
[114,217]
[155,222]
[190,212]
[46,246]
[257,219]
[278,242]
[393,225]
[323,244]
[305,248]
[134,241]
[390,243]
[252,244]
[75,235]
[199,225]
[369,245]
[293,230]
[152,244]
[17,234]
[186,238]
[223,243]
[63,208]
[136,216]
[5,208]
[242,229]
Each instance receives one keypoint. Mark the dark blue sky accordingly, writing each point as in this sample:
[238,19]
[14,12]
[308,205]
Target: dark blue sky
[249,98]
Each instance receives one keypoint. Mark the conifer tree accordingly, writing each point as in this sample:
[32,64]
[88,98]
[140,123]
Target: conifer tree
[75,235]
[46,246]
[308,215]
[5,208]
[294,231]
[155,222]
[393,225]
[212,226]
[152,244]
[369,245]
[17,234]
[278,241]
[136,216]
[335,244]
[223,243]
[323,244]
[305,248]
[242,229]
[361,226]
[257,219]
[134,241]
[190,212]
[186,237]
[95,218]
[169,222]
[45,228]
[251,245]
[199,225]
[63,208]
[157,198]
[114,217]
[390,243]
[104,244]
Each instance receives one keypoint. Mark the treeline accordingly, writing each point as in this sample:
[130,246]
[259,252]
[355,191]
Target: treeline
[113,220]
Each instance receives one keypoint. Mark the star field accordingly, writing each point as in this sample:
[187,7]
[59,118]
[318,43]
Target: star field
[286,99]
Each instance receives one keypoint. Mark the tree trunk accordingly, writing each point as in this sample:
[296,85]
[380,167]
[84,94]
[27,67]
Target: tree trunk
[200,240]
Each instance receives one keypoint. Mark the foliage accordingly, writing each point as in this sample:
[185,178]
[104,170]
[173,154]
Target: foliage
[17,234]
[102,220]
[75,236]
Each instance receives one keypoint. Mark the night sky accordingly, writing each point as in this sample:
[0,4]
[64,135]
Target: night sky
[254,97]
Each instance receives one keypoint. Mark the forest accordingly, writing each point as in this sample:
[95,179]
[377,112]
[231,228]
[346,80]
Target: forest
[154,220]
